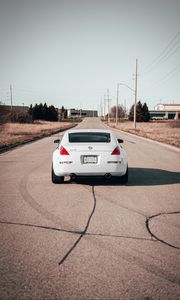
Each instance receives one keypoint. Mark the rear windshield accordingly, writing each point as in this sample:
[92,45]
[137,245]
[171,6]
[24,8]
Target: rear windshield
[89,137]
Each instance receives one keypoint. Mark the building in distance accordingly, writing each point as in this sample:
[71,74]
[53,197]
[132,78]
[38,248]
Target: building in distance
[165,112]
[81,113]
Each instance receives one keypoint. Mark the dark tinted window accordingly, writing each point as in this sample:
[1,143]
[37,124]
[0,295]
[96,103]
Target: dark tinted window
[89,137]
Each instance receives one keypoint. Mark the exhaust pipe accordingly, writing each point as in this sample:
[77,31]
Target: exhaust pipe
[73,176]
[107,175]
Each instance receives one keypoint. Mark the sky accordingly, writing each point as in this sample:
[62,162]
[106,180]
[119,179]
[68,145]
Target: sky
[70,52]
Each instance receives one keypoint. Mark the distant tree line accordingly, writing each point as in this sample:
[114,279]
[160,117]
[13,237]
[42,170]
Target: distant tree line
[50,113]
[142,112]
[35,112]
[43,112]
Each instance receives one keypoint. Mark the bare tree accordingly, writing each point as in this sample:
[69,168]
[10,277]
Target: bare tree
[121,111]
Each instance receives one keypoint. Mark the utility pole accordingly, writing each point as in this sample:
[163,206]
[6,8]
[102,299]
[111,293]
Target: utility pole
[11,96]
[117,104]
[125,106]
[104,108]
[108,100]
[135,100]
[80,111]
[101,108]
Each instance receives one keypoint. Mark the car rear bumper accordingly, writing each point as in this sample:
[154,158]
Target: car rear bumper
[114,169]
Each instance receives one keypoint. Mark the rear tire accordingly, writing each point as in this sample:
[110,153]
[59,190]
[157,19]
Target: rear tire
[56,179]
[124,178]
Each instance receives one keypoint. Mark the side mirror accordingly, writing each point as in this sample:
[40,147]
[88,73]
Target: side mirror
[120,141]
[57,141]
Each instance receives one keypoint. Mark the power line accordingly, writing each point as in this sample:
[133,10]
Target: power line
[170,45]
[170,74]
[167,76]
[167,52]
[163,59]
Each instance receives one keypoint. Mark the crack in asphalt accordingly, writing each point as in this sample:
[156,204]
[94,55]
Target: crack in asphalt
[41,227]
[148,218]
[124,255]
[75,232]
[28,198]
[155,236]
[84,231]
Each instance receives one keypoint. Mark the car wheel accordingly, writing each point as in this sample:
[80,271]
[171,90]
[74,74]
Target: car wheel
[124,178]
[57,179]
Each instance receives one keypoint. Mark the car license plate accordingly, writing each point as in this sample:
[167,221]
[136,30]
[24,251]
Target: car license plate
[87,159]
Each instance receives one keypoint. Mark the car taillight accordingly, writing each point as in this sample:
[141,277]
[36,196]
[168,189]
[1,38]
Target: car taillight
[116,151]
[63,151]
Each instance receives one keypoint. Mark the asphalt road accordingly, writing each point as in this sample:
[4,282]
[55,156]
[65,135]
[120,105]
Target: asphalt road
[90,239]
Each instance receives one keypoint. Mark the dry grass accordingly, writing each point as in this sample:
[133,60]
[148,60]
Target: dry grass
[163,131]
[167,132]
[15,133]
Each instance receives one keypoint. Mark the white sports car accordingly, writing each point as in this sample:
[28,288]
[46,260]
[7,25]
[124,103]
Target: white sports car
[84,152]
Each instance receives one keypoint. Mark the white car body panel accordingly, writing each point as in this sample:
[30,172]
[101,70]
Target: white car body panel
[67,165]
